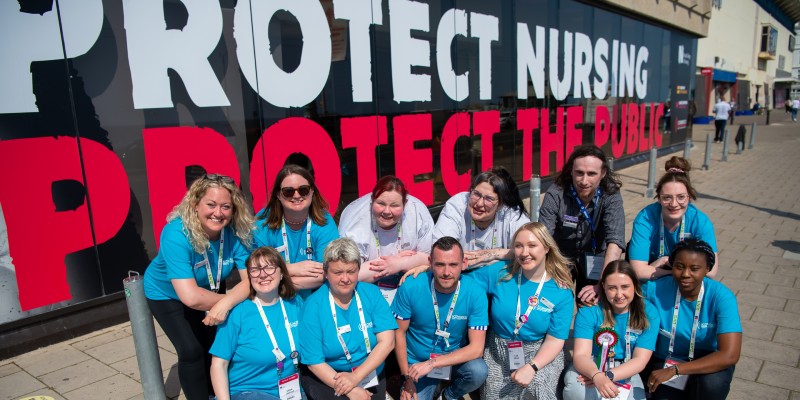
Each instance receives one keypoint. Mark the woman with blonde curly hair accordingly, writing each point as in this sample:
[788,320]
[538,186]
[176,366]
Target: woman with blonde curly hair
[531,312]
[207,234]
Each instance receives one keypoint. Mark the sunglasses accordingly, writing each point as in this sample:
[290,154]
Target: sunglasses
[289,191]
[218,178]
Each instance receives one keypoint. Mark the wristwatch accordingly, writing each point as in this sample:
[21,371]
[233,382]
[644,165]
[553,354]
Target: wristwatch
[610,375]
[533,365]
[405,378]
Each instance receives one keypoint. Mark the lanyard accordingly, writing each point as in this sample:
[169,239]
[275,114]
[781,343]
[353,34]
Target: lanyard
[279,356]
[532,302]
[449,314]
[286,254]
[494,233]
[378,243]
[628,338]
[363,324]
[696,321]
[214,285]
[662,247]
[585,212]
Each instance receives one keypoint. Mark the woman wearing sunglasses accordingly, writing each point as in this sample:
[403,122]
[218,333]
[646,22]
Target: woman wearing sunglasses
[393,231]
[297,224]
[241,368]
[484,218]
[203,240]
[671,219]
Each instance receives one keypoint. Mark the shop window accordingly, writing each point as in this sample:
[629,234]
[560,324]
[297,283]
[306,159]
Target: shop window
[769,39]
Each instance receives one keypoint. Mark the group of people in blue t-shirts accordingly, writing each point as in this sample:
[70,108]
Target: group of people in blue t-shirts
[480,301]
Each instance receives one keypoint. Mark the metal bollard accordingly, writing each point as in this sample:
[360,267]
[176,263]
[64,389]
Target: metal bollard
[725,141]
[752,136]
[707,159]
[767,116]
[535,196]
[144,337]
[651,176]
[687,148]
[610,163]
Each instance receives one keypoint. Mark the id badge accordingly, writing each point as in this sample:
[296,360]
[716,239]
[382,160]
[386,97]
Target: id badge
[570,221]
[624,391]
[289,387]
[368,381]
[678,382]
[441,372]
[516,355]
[594,266]
[388,291]
[343,329]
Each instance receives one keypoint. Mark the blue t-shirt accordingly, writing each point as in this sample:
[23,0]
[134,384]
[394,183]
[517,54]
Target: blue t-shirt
[177,259]
[243,340]
[645,239]
[589,320]
[719,314]
[321,235]
[552,316]
[413,302]
[320,343]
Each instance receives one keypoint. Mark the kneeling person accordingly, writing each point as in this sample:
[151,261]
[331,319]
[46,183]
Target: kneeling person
[442,318]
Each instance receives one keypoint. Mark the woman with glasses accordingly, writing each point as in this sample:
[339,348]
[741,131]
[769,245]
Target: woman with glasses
[671,219]
[241,366]
[205,237]
[393,231]
[484,218]
[296,222]
[348,330]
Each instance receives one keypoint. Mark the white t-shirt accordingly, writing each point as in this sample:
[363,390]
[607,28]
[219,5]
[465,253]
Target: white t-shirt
[795,104]
[455,221]
[721,110]
[416,228]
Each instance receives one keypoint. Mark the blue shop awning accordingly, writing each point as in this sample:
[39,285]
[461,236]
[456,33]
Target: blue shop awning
[724,76]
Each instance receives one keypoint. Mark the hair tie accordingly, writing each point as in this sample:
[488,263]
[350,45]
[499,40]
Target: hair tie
[676,170]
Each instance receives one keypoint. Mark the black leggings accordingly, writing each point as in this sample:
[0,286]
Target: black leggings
[192,340]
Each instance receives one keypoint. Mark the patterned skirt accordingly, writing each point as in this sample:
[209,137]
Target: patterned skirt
[499,385]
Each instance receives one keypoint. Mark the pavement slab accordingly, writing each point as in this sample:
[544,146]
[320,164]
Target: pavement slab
[752,199]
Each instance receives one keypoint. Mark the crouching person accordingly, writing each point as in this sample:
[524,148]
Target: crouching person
[442,318]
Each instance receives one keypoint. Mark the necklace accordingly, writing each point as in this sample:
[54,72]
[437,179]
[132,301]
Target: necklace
[290,222]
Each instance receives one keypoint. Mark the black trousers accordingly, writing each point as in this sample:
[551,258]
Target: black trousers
[192,340]
[317,390]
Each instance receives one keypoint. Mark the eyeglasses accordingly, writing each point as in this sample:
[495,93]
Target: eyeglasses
[488,200]
[289,191]
[682,198]
[268,269]
[218,178]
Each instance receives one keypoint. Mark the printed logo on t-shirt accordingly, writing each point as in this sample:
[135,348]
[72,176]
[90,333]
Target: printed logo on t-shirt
[406,246]
[707,325]
[361,327]
[459,317]
[293,324]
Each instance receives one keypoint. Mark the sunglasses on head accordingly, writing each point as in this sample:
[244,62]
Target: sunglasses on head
[218,178]
[289,191]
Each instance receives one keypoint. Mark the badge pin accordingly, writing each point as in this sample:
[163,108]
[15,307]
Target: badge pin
[523,318]
[533,300]
[279,364]
[309,250]
[293,355]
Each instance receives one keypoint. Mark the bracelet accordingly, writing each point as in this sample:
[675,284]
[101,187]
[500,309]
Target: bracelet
[595,374]
[677,373]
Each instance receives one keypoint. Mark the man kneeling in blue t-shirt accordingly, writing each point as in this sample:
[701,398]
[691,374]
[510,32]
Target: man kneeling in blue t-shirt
[442,318]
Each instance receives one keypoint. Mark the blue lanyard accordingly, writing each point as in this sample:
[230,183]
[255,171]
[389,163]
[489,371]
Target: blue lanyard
[586,212]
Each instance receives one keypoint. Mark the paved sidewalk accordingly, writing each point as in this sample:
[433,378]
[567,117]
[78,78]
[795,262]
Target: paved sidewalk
[752,200]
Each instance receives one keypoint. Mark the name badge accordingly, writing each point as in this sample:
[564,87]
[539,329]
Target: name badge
[594,266]
[368,381]
[280,249]
[570,221]
[388,291]
[443,334]
[440,372]
[624,391]
[278,354]
[343,329]
[516,355]
[289,387]
[679,381]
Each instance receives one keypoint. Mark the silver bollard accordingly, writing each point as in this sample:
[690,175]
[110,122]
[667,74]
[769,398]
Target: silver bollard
[739,147]
[610,163]
[687,148]
[725,143]
[651,176]
[707,159]
[144,337]
[752,136]
[535,196]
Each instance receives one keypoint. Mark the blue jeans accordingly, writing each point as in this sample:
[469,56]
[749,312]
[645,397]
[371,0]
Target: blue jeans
[255,396]
[713,386]
[574,390]
[465,378]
